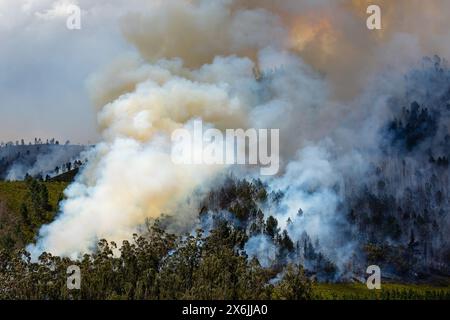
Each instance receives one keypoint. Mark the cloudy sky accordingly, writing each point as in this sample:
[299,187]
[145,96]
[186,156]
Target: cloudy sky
[44,66]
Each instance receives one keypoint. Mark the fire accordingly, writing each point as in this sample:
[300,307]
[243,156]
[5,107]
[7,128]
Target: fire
[304,32]
[313,35]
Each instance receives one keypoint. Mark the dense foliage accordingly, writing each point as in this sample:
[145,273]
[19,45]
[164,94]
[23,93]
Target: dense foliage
[155,266]
[24,207]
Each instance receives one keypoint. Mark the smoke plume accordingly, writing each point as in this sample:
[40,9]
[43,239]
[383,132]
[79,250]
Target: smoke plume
[309,68]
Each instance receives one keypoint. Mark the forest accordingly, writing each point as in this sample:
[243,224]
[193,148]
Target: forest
[41,159]
[397,217]
[207,264]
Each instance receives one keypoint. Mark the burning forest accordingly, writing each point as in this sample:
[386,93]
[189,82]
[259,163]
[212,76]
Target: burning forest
[350,124]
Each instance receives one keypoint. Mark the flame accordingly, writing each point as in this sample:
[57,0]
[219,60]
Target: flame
[313,34]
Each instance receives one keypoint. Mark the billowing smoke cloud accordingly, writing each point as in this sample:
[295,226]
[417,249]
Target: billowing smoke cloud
[240,64]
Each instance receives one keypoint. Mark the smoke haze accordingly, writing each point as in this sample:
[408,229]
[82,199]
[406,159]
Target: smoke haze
[324,80]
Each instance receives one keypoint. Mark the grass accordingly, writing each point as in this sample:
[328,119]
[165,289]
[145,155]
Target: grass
[14,233]
[388,291]
[14,193]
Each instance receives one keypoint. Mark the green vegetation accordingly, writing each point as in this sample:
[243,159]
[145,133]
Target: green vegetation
[160,265]
[389,291]
[24,207]
[155,266]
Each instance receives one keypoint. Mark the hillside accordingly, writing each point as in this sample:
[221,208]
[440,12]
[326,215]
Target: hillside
[67,176]
[16,228]
[17,161]
[311,234]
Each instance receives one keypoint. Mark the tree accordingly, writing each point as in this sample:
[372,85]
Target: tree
[294,285]
[38,194]
[286,242]
[25,214]
[272,227]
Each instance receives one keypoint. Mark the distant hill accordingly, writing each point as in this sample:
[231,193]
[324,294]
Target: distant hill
[17,161]
[68,176]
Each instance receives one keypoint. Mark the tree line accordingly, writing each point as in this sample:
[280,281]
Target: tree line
[36,141]
[156,265]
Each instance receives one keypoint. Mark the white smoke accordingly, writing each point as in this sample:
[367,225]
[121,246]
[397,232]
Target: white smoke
[130,176]
[233,64]
[262,248]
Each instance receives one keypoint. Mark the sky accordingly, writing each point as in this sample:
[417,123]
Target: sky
[45,67]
